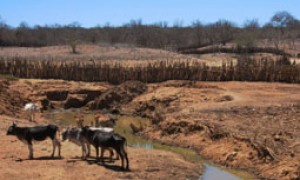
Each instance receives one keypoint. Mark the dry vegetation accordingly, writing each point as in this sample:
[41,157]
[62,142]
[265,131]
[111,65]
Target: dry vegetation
[98,63]
[128,55]
[281,32]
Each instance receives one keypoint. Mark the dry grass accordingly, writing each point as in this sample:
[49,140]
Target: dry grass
[128,55]
[119,64]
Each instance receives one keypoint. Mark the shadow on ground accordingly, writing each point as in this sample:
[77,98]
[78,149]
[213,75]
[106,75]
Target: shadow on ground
[106,162]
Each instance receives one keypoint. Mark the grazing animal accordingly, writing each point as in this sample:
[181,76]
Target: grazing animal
[31,108]
[104,120]
[74,135]
[102,129]
[109,123]
[107,140]
[107,130]
[37,133]
[79,121]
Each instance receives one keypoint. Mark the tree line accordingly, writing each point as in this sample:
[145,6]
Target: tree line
[282,29]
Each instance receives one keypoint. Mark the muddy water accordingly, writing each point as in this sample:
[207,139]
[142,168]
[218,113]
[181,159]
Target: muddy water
[211,172]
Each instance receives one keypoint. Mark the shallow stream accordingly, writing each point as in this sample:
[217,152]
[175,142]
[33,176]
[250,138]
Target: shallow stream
[211,171]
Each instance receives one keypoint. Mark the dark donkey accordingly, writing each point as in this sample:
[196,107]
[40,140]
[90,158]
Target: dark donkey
[38,133]
[107,140]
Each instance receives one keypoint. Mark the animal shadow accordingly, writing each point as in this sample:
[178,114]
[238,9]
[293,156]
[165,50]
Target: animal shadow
[103,162]
[115,168]
[45,158]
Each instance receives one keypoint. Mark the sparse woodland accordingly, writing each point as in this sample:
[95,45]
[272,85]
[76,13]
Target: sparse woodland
[282,30]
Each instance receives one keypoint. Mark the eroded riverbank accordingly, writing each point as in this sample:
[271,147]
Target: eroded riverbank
[211,170]
[251,126]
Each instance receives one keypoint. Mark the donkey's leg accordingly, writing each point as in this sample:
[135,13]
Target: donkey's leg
[54,147]
[30,148]
[84,150]
[122,157]
[59,146]
[97,153]
[125,156]
[28,114]
[111,153]
[102,152]
[88,145]
[33,116]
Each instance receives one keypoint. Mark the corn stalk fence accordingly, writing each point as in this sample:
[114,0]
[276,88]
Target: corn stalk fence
[117,72]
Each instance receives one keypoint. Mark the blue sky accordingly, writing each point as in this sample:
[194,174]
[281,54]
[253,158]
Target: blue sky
[90,13]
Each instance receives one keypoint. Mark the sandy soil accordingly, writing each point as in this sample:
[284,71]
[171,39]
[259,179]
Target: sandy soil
[144,164]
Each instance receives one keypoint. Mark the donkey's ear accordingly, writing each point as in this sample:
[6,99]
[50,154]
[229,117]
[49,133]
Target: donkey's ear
[14,124]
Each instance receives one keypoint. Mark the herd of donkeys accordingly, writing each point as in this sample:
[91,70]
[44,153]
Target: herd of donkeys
[99,137]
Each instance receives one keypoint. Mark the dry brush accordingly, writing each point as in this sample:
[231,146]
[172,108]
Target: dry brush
[247,69]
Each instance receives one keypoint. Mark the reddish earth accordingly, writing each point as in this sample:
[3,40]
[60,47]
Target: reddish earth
[144,164]
[252,126]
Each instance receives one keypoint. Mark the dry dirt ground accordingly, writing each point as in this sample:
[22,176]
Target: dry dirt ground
[144,164]
[251,126]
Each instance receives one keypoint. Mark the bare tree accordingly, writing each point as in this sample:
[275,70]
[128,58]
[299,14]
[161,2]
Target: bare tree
[199,31]
[248,35]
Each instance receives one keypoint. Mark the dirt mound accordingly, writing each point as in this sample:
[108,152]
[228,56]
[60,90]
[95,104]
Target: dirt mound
[80,98]
[11,101]
[225,98]
[154,108]
[235,124]
[177,83]
[259,137]
[59,93]
[68,99]
[118,95]
[180,126]
[190,84]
